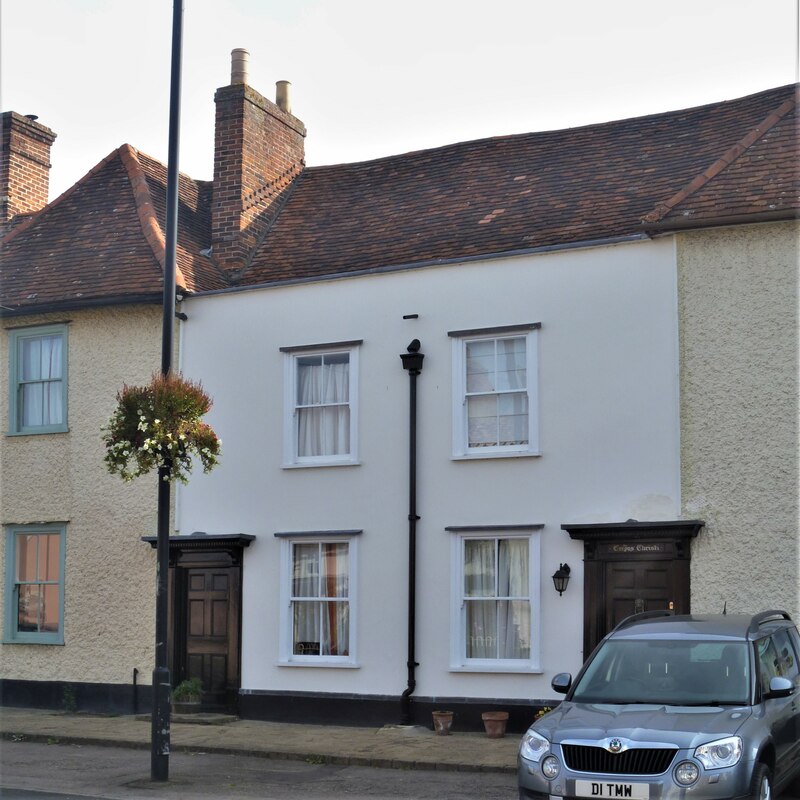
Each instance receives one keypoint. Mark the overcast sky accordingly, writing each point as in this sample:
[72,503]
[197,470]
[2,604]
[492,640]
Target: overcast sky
[372,78]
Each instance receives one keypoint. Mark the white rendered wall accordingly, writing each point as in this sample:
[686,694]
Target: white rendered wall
[608,431]
[739,429]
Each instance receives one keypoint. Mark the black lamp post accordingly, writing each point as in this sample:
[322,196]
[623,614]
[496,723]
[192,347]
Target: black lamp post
[561,578]
[160,729]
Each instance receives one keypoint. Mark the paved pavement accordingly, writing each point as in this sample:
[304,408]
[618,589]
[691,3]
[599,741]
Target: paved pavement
[391,746]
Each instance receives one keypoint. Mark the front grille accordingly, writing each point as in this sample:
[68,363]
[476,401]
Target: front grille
[643,761]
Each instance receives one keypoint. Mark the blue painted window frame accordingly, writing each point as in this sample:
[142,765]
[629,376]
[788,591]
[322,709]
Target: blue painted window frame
[11,634]
[16,339]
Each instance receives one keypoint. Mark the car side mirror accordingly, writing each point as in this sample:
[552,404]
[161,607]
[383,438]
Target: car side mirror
[779,687]
[561,682]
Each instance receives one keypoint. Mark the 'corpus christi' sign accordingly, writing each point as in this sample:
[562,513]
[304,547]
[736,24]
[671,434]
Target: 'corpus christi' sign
[639,547]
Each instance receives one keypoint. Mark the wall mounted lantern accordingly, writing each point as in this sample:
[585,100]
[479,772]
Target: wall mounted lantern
[561,578]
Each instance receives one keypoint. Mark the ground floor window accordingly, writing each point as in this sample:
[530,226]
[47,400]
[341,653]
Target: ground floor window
[495,607]
[318,586]
[34,601]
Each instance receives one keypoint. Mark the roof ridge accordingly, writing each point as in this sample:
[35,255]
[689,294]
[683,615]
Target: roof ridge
[148,220]
[723,162]
[580,127]
[24,225]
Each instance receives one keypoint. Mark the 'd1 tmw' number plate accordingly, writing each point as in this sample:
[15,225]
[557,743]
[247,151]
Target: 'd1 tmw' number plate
[610,791]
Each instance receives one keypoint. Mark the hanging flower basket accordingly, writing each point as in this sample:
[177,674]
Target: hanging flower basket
[158,425]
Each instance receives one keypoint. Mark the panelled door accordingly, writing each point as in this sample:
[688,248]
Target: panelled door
[631,567]
[636,586]
[205,601]
[210,623]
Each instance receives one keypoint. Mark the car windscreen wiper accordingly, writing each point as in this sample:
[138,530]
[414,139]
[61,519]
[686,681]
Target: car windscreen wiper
[713,703]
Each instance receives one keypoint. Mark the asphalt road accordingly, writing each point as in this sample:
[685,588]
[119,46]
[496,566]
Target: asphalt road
[32,771]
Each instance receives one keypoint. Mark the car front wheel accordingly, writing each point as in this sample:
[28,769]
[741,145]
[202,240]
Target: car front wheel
[761,784]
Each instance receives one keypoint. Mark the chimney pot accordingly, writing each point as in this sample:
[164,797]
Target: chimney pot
[239,58]
[283,98]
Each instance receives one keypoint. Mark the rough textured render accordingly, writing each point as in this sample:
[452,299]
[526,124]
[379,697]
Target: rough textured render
[110,573]
[739,414]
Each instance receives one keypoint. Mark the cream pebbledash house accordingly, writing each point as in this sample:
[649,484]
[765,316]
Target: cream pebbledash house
[445,378]
[81,286]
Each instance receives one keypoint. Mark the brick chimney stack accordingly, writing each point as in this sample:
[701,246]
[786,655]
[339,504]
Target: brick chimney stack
[258,151]
[24,166]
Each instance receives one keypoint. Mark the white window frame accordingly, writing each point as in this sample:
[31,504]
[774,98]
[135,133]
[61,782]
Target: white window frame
[461,448]
[291,354]
[458,645]
[11,634]
[15,406]
[286,657]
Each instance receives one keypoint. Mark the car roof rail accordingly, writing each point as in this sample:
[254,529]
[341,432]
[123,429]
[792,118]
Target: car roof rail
[764,617]
[633,618]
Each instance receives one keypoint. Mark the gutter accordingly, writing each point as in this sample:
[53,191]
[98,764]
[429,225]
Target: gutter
[433,262]
[689,223]
[77,305]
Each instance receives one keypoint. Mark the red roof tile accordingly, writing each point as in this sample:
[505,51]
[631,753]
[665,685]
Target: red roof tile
[758,176]
[102,241]
[500,195]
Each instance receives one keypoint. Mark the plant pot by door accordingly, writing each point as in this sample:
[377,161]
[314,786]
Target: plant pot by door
[186,706]
[495,723]
[442,722]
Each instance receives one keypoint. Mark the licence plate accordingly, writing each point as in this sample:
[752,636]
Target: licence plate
[610,791]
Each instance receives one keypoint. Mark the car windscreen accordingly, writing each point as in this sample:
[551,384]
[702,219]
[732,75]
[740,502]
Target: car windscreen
[673,672]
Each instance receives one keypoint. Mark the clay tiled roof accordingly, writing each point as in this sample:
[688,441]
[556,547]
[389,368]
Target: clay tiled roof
[758,177]
[510,194]
[102,241]
[194,224]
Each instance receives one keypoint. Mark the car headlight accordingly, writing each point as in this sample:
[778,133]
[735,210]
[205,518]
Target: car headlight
[719,754]
[533,746]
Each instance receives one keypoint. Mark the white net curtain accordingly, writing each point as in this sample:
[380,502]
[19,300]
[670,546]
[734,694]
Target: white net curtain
[497,598]
[41,389]
[323,405]
[497,398]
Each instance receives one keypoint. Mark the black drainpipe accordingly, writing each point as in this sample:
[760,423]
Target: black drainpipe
[412,361]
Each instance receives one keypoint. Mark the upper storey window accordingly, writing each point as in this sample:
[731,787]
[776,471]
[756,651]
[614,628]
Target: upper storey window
[321,405]
[495,392]
[38,379]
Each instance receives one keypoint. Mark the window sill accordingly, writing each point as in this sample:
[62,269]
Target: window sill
[318,464]
[51,642]
[527,669]
[484,456]
[320,664]
[42,432]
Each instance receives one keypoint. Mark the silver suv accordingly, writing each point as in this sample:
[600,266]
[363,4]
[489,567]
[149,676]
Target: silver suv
[670,707]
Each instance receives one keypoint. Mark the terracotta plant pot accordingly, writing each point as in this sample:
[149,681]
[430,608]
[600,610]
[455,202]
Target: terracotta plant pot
[442,722]
[495,723]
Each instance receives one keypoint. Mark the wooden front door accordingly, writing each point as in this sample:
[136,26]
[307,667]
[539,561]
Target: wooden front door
[205,601]
[211,624]
[631,567]
[636,586]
